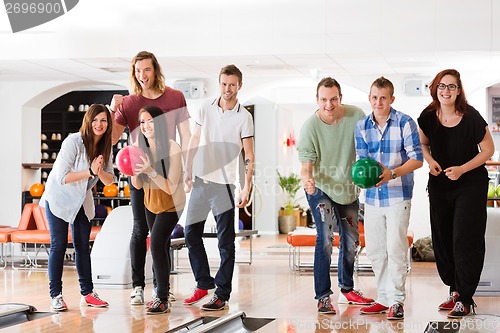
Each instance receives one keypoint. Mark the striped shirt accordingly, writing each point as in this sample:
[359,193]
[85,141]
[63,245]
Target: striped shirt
[392,145]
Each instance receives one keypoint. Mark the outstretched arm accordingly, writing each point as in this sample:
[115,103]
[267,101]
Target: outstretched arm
[118,129]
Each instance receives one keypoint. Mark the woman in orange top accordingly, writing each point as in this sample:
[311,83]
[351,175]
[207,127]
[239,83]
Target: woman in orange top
[160,176]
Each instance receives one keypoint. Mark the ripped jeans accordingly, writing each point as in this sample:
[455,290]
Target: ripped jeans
[331,217]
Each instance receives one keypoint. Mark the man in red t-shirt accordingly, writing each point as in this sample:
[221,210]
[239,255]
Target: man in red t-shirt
[149,89]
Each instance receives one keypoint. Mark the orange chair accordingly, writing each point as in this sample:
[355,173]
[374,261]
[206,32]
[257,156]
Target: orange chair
[300,238]
[40,238]
[27,222]
[4,240]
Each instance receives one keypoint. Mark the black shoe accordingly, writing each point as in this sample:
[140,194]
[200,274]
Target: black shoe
[216,303]
[396,312]
[158,307]
[325,306]
[461,310]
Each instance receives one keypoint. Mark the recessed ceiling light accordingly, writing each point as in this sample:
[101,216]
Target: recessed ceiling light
[315,73]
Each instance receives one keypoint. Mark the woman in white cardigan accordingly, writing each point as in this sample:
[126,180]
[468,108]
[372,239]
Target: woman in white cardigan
[84,158]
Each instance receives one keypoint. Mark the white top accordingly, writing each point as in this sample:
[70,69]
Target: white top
[221,141]
[65,200]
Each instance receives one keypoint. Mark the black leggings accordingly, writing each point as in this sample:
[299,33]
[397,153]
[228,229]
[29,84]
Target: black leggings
[458,225]
[161,227]
[138,238]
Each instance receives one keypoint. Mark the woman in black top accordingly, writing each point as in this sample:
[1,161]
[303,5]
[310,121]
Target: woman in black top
[456,143]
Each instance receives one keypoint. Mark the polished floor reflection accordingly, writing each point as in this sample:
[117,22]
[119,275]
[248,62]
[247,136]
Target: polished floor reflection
[265,289]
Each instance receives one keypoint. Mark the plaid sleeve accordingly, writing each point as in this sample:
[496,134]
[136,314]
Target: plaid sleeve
[412,144]
[359,137]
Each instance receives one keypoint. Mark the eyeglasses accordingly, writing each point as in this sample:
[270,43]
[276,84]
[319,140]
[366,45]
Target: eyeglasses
[451,87]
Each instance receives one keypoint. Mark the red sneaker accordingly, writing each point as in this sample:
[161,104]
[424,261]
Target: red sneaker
[197,296]
[355,297]
[449,304]
[93,299]
[374,308]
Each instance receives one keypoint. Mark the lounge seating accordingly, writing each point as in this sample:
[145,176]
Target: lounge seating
[39,236]
[4,242]
[306,237]
[26,222]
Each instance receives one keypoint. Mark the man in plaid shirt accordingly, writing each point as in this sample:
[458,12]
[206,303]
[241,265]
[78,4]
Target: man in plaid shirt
[391,138]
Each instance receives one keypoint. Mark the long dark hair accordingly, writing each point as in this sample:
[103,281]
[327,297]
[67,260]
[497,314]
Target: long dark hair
[103,146]
[162,140]
[461,103]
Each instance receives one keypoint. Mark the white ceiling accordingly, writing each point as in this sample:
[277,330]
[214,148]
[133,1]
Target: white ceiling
[353,41]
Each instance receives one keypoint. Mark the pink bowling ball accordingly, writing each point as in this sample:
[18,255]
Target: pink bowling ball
[127,159]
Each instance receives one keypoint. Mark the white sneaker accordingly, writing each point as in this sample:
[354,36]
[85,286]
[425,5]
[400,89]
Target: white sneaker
[58,303]
[137,296]
[171,296]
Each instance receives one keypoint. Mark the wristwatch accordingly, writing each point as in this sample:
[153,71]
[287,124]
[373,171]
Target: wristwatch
[153,174]
[393,175]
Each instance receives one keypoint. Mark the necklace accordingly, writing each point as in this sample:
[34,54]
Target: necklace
[442,117]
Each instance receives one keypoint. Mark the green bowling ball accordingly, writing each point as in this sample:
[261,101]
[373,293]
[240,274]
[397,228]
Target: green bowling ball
[365,172]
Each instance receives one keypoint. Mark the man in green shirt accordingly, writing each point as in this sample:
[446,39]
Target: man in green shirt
[326,151]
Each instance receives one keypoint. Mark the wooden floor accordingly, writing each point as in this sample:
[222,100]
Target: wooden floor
[265,289]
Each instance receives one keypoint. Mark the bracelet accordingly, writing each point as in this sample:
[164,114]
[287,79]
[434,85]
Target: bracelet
[91,172]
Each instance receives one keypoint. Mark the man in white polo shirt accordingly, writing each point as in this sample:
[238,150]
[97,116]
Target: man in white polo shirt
[223,127]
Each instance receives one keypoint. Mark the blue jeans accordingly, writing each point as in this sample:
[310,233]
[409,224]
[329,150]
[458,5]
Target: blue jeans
[219,198]
[331,217]
[80,230]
